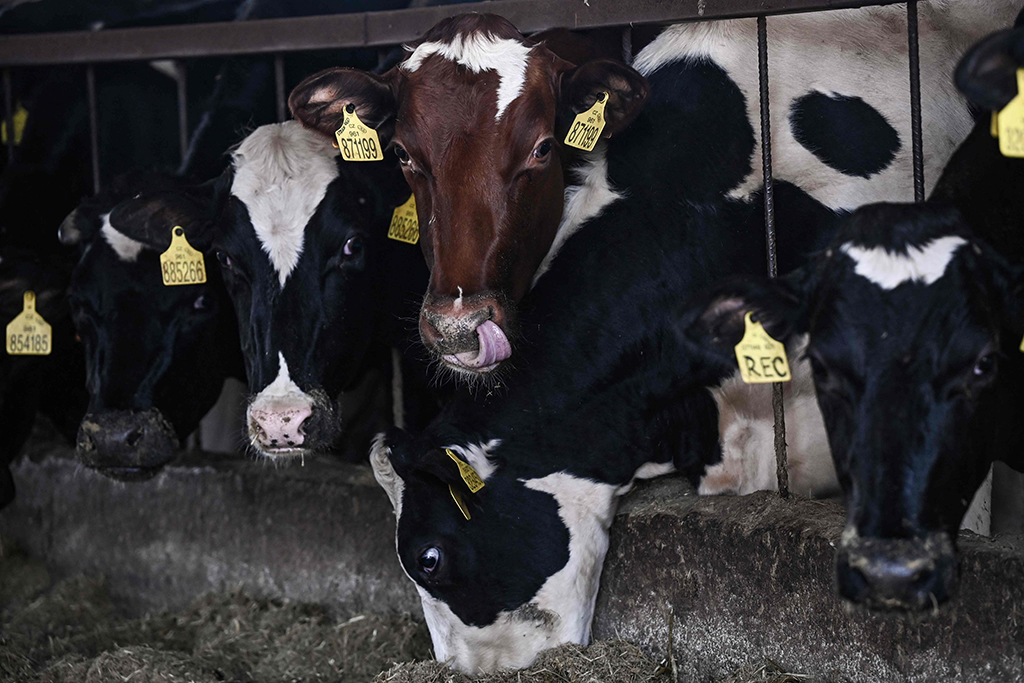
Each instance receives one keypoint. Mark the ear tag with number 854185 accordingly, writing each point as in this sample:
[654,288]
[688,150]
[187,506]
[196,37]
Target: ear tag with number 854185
[181,264]
[1011,123]
[405,226]
[469,475]
[356,140]
[28,334]
[761,358]
[586,127]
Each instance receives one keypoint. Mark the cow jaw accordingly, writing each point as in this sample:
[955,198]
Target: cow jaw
[276,415]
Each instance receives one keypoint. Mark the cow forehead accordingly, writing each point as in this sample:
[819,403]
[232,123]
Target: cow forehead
[889,268]
[478,52]
[281,175]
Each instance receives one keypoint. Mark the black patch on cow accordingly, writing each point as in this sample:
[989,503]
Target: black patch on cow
[845,133]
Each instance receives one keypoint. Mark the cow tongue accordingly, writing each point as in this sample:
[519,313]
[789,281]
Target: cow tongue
[493,349]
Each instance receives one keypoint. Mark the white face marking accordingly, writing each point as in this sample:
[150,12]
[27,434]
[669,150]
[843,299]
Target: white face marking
[280,396]
[478,455]
[125,247]
[282,172]
[926,263]
[747,436]
[480,52]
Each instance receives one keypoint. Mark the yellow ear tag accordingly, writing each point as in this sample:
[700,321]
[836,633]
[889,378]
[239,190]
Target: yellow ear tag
[405,226]
[587,127]
[469,475]
[1022,345]
[994,127]
[181,264]
[20,119]
[356,140]
[1011,123]
[458,501]
[28,334]
[761,358]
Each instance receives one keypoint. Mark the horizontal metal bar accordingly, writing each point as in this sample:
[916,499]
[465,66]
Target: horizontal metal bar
[371,28]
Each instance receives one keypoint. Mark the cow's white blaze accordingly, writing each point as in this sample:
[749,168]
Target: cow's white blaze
[282,172]
[481,52]
[889,269]
[281,397]
[125,247]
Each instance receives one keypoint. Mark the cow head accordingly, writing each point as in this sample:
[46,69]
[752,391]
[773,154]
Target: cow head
[302,247]
[476,115]
[911,322]
[520,576]
[156,356]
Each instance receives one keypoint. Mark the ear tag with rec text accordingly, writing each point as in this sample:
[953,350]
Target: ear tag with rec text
[405,226]
[458,501]
[761,358]
[181,264]
[28,334]
[356,140]
[1011,123]
[587,127]
[469,475]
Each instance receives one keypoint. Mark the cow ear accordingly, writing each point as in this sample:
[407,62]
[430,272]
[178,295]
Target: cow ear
[319,102]
[718,318]
[149,216]
[77,228]
[987,73]
[580,87]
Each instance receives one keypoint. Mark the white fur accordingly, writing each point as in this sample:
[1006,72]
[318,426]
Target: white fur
[861,53]
[481,52]
[478,456]
[281,392]
[125,247]
[926,263]
[385,474]
[747,436]
[282,172]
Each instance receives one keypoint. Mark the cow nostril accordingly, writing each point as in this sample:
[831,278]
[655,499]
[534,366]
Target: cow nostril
[133,438]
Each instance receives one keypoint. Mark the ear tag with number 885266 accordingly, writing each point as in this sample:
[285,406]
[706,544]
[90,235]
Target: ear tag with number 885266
[181,264]
[586,127]
[28,334]
[761,358]
[356,140]
[405,226]
[1011,123]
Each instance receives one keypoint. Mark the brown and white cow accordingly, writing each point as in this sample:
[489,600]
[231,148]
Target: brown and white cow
[477,115]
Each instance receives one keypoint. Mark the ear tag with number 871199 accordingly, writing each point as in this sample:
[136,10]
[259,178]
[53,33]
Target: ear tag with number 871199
[587,127]
[28,334]
[181,264]
[405,226]
[1011,123]
[356,140]
[761,358]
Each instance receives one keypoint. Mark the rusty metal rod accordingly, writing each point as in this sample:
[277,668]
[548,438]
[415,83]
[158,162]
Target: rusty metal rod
[282,104]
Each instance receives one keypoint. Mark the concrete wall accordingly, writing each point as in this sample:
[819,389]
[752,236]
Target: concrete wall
[744,578]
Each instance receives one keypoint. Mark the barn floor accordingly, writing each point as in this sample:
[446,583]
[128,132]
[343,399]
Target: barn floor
[72,631]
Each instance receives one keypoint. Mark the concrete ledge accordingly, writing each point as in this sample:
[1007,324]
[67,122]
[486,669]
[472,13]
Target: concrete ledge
[744,577]
[753,576]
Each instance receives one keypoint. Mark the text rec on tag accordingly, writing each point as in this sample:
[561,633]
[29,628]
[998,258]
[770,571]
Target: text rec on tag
[356,140]
[469,475]
[181,264]
[1011,123]
[587,127]
[28,334]
[761,358]
[405,226]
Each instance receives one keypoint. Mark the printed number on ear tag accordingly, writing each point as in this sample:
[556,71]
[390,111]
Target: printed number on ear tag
[356,140]
[405,226]
[469,475]
[587,127]
[458,501]
[181,264]
[28,334]
[761,358]
[1011,123]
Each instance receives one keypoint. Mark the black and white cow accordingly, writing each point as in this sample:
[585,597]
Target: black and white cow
[156,356]
[316,284]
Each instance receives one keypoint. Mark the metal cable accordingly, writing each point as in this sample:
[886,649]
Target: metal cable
[915,100]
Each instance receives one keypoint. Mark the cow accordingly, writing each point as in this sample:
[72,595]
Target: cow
[478,115]
[301,239]
[156,356]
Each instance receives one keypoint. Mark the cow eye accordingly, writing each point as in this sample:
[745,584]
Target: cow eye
[543,149]
[430,559]
[402,155]
[985,366]
[353,247]
[225,260]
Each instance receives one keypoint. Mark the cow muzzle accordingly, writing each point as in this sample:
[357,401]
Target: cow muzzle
[468,336]
[126,445]
[911,574]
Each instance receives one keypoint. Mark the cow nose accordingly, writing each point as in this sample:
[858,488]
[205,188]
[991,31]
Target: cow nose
[280,427]
[906,574]
[125,444]
[466,335]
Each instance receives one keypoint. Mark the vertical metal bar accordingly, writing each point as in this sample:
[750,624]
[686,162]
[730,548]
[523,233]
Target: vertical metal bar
[181,74]
[282,112]
[627,44]
[94,143]
[9,114]
[781,464]
[915,100]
